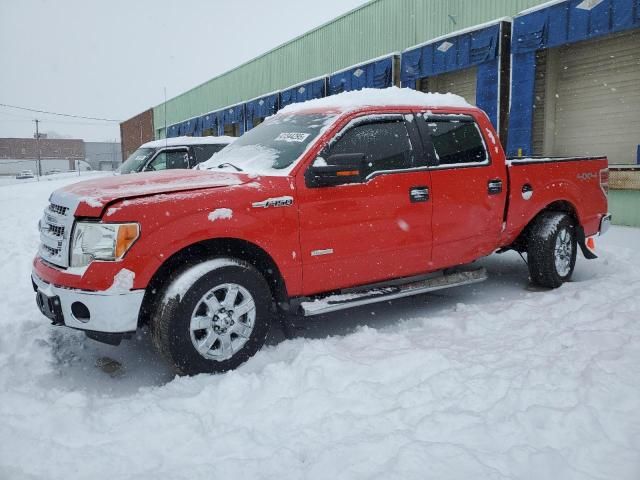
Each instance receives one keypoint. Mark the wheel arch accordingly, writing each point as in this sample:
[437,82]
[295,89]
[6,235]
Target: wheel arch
[564,206]
[207,249]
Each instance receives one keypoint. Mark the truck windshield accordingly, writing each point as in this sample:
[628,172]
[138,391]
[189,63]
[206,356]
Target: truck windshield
[273,146]
[136,160]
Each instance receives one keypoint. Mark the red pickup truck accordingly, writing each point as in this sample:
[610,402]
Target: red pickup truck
[335,203]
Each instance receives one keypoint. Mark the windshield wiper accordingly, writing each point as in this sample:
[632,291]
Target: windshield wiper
[229,164]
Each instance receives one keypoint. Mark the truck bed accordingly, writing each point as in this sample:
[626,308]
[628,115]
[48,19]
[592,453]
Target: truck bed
[573,182]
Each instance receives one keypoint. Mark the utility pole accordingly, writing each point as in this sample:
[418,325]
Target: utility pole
[38,148]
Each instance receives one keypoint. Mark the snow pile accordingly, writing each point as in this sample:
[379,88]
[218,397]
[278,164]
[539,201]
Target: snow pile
[493,381]
[180,141]
[220,213]
[374,97]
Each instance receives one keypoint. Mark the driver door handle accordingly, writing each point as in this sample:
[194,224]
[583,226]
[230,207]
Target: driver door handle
[419,194]
[494,186]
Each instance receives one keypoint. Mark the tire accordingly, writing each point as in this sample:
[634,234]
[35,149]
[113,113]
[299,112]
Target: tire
[213,317]
[551,249]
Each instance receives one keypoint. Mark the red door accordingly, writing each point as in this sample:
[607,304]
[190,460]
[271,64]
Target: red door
[355,234]
[468,190]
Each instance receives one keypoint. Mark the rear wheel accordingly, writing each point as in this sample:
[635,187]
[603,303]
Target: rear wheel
[551,249]
[213,317]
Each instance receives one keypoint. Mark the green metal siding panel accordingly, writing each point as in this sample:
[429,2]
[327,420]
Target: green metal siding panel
[623,205]
[435,18]
[378,28]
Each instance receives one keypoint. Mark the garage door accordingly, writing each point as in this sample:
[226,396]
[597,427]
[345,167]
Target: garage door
[462,82]
[595,100]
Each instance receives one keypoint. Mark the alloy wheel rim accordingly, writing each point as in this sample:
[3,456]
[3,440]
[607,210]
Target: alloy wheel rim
[563,252]
[222,321]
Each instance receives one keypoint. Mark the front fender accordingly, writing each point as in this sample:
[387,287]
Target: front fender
[169,225]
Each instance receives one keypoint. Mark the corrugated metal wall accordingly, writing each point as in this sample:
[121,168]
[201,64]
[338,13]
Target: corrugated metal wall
[377,28]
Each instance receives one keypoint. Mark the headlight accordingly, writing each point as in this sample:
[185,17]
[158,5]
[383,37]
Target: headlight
[101,241]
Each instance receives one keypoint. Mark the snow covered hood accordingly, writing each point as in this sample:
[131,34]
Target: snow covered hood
[93,195]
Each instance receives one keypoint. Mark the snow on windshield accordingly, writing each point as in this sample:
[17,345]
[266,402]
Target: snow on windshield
[273,147]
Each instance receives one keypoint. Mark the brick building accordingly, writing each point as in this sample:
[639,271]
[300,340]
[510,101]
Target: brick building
[136,131]
[18,154]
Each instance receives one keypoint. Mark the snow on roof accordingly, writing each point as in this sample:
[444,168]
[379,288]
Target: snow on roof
[392,96]
[179,141]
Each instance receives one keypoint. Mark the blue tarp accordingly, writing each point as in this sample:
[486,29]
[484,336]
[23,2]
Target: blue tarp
[564,23]
[208,122]
[261,107]
[557,25]
[304,92]
[187,128]
[378,74]
[478,48]
[450,54]
[172,131]
[232,115]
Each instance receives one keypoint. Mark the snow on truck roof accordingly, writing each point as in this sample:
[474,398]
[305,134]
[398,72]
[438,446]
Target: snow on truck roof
[180,141]
[374,97]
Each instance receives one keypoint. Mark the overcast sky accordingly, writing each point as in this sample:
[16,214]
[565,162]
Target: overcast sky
[112,59]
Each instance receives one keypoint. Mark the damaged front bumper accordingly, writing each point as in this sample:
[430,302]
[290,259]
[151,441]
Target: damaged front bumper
[100,312]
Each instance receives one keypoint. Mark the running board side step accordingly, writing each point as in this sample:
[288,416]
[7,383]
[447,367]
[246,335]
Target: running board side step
[333,303]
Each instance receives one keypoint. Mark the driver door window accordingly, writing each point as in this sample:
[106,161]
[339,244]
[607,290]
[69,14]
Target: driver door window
[385,144]
[169,160]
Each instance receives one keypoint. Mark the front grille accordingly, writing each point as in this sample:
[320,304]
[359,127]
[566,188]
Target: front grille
[59,209]
[55,228]
[51,251]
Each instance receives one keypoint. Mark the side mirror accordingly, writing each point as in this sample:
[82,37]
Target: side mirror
[338,169]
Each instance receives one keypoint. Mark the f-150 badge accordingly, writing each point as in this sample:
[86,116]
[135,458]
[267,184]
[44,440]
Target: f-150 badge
[274,202]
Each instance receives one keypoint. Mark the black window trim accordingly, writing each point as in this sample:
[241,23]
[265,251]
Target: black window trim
[430,151]
[175,148]
[373,118]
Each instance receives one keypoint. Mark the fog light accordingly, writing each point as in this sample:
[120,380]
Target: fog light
[80,312]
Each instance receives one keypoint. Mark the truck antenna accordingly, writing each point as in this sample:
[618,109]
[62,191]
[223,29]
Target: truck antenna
[165,116]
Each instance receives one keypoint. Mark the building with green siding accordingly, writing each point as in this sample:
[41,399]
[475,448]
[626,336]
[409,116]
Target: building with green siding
[547,75]
[378,28]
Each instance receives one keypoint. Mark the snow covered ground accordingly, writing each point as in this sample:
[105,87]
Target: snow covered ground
[490,381]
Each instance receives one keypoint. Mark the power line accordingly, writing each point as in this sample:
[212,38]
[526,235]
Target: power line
[59,114]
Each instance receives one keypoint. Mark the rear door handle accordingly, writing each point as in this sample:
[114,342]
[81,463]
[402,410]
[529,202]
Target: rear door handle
[419,194]
[494,186]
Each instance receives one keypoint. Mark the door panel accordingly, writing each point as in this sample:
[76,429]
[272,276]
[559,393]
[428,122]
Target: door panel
[468,192]
[373,230]
[367,232]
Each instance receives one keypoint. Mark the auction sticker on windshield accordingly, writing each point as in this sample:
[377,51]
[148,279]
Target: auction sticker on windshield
[292,137]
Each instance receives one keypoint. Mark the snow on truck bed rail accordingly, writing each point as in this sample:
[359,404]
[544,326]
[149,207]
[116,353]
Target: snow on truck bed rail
[374,97]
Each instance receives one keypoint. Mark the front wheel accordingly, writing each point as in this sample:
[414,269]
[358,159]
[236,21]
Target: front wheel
[551,250]
[213,317]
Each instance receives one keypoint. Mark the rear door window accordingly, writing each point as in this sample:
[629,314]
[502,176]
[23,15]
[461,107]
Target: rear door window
[455,142]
